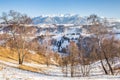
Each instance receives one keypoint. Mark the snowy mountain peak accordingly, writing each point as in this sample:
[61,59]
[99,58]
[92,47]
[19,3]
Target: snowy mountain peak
[68,19]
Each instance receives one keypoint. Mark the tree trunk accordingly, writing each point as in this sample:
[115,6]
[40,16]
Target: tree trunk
[104,68]
[66,70]
[47,61]
[72,68]
[111,70]
[20,61]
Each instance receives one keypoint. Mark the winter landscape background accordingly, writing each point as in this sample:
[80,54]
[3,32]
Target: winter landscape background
[54,40]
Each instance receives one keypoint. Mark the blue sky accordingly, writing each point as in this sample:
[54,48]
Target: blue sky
[107,8]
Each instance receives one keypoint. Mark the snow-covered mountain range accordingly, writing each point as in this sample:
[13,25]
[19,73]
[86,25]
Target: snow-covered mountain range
[67,19]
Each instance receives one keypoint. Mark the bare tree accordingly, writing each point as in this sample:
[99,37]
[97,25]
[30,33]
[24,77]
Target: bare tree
[85,45]
[100,32]
[18,32]
[73,57]
[65,64]
[46,45]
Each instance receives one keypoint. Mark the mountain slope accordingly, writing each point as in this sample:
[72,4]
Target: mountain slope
[68,19]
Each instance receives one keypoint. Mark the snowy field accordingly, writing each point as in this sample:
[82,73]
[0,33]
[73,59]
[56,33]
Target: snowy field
[10,73]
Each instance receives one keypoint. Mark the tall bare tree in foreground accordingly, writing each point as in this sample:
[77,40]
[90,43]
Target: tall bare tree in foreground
[16,23]
[100,31]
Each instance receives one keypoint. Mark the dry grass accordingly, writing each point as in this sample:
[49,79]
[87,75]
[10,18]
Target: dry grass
[117,68]
[28,68]
[9,55]
[1,68]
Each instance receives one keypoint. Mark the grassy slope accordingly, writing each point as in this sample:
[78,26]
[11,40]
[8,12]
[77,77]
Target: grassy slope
[8,55]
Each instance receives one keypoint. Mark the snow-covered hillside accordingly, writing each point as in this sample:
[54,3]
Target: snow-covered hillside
[8,72]
[59,34]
